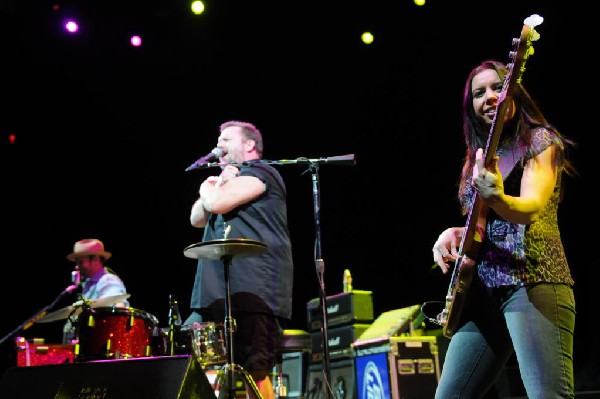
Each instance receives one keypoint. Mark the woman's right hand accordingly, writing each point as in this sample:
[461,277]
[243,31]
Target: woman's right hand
[446,246]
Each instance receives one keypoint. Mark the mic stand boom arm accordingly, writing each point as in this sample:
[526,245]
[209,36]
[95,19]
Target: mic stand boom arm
[341,160]
[33,319]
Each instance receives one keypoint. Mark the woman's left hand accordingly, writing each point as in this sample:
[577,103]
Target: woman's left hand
[487,181]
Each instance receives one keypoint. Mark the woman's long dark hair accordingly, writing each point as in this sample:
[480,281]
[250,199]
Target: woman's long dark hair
[516,131]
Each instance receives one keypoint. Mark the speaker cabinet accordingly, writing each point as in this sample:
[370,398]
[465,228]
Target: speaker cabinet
[169,377]
[294,366]
[343,384]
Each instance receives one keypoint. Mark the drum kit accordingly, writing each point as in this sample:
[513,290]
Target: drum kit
[107,332]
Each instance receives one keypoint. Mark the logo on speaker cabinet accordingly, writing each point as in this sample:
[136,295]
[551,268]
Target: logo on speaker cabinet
[372,384]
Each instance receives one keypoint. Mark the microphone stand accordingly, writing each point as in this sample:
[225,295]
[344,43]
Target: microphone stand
[313,167]
[320,266]
[38,315]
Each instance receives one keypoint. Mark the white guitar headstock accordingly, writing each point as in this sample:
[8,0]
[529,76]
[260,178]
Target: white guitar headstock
[532,21]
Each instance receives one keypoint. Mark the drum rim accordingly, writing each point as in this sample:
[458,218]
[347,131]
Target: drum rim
[124,311]
[191,327]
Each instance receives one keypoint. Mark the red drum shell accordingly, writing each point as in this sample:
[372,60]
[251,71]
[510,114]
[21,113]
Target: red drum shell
[115,333]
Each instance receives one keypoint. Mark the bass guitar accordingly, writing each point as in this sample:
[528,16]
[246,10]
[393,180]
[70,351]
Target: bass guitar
[474,233]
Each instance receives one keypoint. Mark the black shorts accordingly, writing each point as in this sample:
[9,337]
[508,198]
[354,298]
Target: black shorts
[256,339]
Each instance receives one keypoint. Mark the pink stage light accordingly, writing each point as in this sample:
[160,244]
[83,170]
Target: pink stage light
[136,41]
[71,26]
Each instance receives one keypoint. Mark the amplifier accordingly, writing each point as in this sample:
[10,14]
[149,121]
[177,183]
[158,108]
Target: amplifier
[344,308]
[342,383]
[339,341]
[398,367]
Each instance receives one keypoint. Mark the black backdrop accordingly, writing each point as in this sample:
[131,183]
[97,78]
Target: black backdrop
[104,133]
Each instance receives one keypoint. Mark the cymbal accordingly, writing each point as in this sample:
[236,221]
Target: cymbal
[217,249]
[108,300]
[77,308]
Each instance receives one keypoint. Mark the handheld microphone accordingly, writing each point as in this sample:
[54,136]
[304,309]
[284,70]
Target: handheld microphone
[214,154]
[76,277]
[75,281]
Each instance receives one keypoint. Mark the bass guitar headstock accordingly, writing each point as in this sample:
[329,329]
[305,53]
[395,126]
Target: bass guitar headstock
[522,49]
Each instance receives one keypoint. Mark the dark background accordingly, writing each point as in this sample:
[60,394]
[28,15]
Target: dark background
[104,132]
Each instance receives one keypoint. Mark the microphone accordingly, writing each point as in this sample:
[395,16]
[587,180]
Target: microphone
[214,154]
[75,280]
[76,277]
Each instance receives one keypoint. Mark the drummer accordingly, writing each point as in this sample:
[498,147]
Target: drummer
[97,280]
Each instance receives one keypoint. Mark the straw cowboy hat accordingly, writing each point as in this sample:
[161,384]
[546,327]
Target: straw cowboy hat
[88,246]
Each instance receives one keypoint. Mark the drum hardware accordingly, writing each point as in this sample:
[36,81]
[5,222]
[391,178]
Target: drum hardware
[174,321]
[225,249]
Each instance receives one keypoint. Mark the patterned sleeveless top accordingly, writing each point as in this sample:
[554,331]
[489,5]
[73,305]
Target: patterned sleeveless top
[518,254]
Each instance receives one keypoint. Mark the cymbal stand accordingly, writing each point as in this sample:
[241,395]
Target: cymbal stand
[174,323]
[231,368]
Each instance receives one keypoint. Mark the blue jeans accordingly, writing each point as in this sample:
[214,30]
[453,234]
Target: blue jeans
[535,322]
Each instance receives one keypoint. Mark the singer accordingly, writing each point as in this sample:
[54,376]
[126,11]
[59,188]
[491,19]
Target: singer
[250,202]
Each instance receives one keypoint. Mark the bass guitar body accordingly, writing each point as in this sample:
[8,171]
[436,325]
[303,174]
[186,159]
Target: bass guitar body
[464,270]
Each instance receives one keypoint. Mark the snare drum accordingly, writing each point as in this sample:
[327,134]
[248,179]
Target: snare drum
[115,333]
[206,341]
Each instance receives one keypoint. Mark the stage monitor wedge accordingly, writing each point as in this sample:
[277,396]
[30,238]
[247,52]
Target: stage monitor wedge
[168,377]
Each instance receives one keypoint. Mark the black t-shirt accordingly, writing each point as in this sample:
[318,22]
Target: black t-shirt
[261,283]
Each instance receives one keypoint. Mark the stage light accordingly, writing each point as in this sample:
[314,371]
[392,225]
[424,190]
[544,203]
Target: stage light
[367,38]
[136,40]
[197,7]
[71,26]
